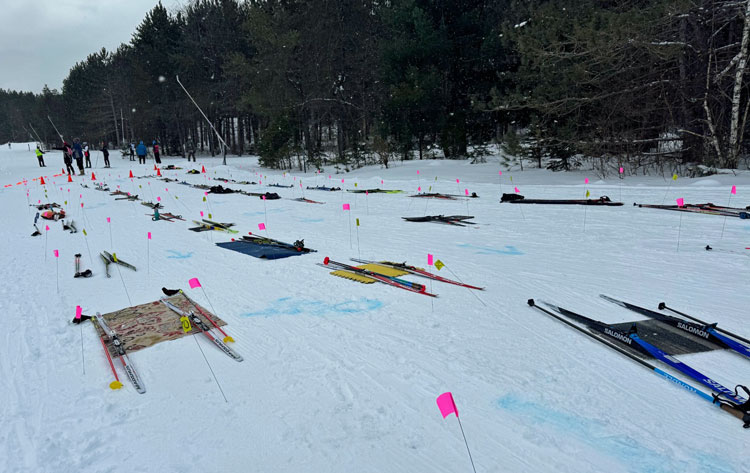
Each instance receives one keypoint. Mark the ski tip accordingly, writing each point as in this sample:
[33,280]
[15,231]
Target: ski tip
[662,305]
[531,302]
[326,260]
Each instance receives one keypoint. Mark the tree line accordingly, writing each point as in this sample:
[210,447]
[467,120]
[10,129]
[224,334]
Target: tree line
[301,82]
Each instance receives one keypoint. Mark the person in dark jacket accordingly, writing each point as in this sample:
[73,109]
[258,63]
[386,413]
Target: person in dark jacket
[190,149]
[78,154]
[40,156]
[156,153]
[141,151]
[105,153]
[67,156]
[87,154]
[132,151]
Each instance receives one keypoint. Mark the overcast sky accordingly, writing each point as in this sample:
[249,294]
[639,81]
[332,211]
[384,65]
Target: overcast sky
[40,40]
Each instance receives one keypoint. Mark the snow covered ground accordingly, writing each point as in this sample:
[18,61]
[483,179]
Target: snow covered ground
[341,376]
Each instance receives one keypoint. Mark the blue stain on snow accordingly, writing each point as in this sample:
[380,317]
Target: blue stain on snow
[178,255]
[289,306]
[261,213]
[483,250]
[630,451]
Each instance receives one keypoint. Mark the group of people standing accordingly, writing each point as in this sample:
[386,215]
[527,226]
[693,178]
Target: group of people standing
[78,151]
[142,151]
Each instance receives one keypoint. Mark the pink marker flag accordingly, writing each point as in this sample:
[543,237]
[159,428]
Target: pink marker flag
[734,190]
[346,207]
[79,311]
[680,202]
[466,191]
[621,170]
[261,226]
[417,171]
[419,189]
[158,199]
[46,228]
[516,189]
[457,181]
[500,173]
[149,235]
[201,213]
[194,283]
[586,180]
[446,405]
[108,220]
[56,253]
[429,259]
[342,181]
[81,204]
[381,181]
[264,196]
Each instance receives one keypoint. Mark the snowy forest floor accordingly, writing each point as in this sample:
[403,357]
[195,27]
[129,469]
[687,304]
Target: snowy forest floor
[340,376]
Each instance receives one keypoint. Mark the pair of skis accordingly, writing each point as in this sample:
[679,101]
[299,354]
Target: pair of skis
[299,245]
[109,258]
[206,225]
[631,345]
[127,365]
[196,321]
[702,330]
[418,271]
[389,280]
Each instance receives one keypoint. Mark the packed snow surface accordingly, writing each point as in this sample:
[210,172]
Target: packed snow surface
[341,376]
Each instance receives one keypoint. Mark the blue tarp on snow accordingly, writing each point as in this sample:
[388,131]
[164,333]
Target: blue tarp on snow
[259,251]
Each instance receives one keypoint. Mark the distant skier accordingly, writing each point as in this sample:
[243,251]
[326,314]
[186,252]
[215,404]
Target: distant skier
[141,151]
[132,151]
[39,156]
[190,149]
[78,154]
[105,152]
[156,153]
[87,154]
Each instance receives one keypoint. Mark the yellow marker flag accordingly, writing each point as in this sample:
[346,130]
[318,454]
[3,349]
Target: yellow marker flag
[435,178]
[674,178]
[209,216]
[175,197]
[84,232]
[439,264]
[511,178]
[186,327]
[114,257]
[66,202]
[204,198]
[357,222]
[430,189]
[588,193]
[355,184]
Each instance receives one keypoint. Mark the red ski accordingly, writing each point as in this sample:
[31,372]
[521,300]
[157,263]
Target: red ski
[391,281]
[418,272]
